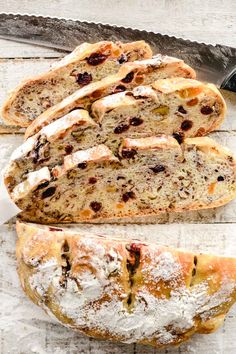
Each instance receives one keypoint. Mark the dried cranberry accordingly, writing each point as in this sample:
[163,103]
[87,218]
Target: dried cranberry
[121,128]
[186,125]
[128,195]
[119,88]
[220,178]
[68,149]
[54,229]
[95,206]
[158,168]
[42,185]
[122,59]
[135,247]
[129,77]
[92,180]
[182,110]
[84,78]
[96,59]
[135,121]
[129,153]
[206,110]
[179,137]
[48,192]
[82,165]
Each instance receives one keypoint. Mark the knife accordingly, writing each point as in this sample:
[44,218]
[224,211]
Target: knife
[216,64]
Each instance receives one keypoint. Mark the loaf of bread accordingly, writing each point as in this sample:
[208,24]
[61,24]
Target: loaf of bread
[150,176]
[87,63]
[123,290]
[129,76]
[182,107]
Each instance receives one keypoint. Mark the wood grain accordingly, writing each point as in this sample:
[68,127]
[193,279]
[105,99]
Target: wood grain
[24,328]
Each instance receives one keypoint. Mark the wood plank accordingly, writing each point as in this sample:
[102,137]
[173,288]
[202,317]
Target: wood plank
[13,71]
[225,214]
[11,49]
[37,333]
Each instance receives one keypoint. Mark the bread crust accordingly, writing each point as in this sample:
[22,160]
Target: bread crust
[99,284]
[132,51]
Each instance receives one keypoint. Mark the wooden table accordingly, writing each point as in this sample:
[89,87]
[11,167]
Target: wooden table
[24,327]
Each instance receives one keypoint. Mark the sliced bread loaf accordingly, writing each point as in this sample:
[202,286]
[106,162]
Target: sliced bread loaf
[87,63]
[130,75]
[123,290]
[152,175]
[182,107]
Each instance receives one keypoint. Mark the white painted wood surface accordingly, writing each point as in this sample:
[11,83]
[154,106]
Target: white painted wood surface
[24,328]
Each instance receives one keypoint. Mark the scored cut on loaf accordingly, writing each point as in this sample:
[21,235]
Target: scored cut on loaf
[152,175]
[87,63]
[124,290]
[178,106]
[130,75]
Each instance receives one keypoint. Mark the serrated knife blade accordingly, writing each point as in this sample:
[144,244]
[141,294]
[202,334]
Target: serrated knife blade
[216,64]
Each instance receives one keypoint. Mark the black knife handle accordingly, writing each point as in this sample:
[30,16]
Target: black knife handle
[230,82]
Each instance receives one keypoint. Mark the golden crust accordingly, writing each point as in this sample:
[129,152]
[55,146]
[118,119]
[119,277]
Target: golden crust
[111,49]
[122,290]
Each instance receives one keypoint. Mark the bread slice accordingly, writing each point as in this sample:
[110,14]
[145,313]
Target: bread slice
[76,130]
[130,75]
[179,106]
[144,111]
[87,63]
[152,175]
[123,290]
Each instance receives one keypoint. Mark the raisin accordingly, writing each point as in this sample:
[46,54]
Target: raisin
[122,59]
[186,125]
[82,165]
[48,192]
[95,206]
[158,168]
[54,229]
[121,128]
[182,110]
[92,180]
[179,137]
[119,88]
[42,185]
[84,78]
[68,149]
[128,195]
[206,110]
[120,177]
[220,178]
[128,153]
[135,121]
[129,77]
[96,59]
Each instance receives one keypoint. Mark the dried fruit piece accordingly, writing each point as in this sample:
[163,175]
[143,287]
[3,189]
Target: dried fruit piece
[123,58]
[220,178]
[68,149]
[206,110]
[128,195]
[179,137]
[182,110]
[95,206]
[121,128]
[92,180]
[162,110]
[158,168]
[186,125]
[192,102]
[82,165]
[119,88]
[84,78]
[48,192]
[96,59]
[190,92]
[129,77]
[128,153]
[135,121]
